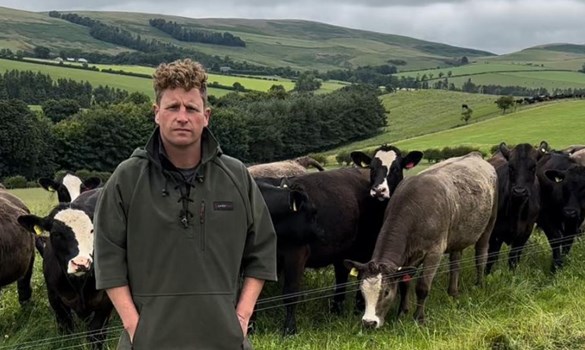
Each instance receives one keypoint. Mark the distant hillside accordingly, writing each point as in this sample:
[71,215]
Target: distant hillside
[275,43]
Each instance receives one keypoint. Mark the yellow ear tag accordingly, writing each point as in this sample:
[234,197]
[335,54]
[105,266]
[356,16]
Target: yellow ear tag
[353,272]
[364,165]
[51,189]
[38,230]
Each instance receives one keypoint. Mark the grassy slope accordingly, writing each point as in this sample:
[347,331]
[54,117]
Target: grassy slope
[299,44]
[559,123]
[526,310]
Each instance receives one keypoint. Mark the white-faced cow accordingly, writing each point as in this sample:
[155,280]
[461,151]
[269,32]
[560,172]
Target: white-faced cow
[69,187]
[518,200]
[386,168]
[17,252]
[68,265]
[444,209]
[562,192]
[350,215]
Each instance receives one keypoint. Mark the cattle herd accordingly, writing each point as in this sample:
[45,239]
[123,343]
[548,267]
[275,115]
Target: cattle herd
[367,221]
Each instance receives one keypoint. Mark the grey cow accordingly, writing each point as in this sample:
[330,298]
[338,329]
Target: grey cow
[444,209]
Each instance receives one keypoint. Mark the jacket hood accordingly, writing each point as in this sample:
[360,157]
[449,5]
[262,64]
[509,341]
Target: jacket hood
[155,152]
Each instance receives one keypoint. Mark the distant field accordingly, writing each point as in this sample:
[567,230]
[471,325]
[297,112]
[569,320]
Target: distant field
[507,74]
[124,82]
[559,123]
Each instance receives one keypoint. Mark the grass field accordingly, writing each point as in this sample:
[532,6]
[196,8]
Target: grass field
[529,309]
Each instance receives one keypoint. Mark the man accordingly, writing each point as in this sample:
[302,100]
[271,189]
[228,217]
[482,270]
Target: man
[176,226]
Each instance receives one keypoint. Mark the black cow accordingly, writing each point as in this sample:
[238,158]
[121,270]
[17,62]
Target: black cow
[562,191]
[69,187]
[386,168]
[518,200]
[68,266]
[17,253]
[293,214]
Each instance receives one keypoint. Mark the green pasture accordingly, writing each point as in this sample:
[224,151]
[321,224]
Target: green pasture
[550,80]
[414,113]
[478,67]
[559,123]
[131,84]
[528,309]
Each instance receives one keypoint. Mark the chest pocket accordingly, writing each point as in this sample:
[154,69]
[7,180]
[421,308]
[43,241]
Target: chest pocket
[223,225]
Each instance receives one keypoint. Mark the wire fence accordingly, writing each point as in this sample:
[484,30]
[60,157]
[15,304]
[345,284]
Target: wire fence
[268,303]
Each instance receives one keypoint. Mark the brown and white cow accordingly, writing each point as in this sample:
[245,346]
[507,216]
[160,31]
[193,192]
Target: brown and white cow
[386,168]
[17,252]
[444,209]
[68,265]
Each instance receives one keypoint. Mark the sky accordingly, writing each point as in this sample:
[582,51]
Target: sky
[498,26]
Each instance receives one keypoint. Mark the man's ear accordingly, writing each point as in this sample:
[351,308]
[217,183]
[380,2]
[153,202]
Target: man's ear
[207,113]
[155,109]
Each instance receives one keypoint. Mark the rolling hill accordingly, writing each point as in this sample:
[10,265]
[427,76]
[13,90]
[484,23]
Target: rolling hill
[277,43]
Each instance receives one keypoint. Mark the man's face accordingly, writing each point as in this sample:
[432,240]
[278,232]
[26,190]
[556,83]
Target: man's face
[181,116]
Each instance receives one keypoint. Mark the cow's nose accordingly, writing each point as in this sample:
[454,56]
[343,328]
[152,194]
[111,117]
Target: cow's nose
[369,324]
[519,191]
[570,212]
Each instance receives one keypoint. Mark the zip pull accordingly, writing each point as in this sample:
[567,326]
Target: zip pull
[202,213]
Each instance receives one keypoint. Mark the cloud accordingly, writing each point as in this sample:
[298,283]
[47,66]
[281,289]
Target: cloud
[500,26]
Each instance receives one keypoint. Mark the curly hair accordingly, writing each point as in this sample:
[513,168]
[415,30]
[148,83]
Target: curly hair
[184,74]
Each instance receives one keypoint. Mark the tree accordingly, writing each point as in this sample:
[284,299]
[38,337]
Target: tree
[41,52]
[466,114]
[137,98]
[505,102]
[307,82]
[59,110]
[464,60]
[238,87]
[582,68]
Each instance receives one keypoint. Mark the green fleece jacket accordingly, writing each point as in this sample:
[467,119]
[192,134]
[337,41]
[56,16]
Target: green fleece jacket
[182,246]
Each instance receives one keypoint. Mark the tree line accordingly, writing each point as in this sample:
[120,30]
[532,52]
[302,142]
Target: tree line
[197,36]
[36,88]
[254,127]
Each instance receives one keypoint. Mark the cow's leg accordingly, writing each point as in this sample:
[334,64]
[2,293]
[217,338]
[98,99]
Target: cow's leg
[341,278]
[493,254]
[516,251]
[567,244]
[454,268]
[403,287]
[482,246]
[23,284]
[62,312]
[555,238]
[423,285]
[97,326]
[294,259]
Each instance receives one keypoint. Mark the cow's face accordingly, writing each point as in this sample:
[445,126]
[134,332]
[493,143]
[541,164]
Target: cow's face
[522,161]
[71,236]
[386,168]
[70,187]
[572,181]
[379,285]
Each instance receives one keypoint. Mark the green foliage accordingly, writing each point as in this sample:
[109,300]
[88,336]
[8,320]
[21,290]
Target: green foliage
[17,181]
[59,110]
[466,114]
[23,145]
[505,102]
[343,158]
[307,82]
[41,52]
[101,137]
[137,98]
[198,36]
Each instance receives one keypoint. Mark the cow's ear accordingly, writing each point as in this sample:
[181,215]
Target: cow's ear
[555,175]
[355,268]
[544,147]
[504,150]
[48,184]
[35,224]
[361,159]
[411,159]
[91,183]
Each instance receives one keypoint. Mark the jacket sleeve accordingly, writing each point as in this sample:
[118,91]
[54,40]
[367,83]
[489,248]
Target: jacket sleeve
[259,260]
[110,236]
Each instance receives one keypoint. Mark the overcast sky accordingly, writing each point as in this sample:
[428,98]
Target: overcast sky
[499,26]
